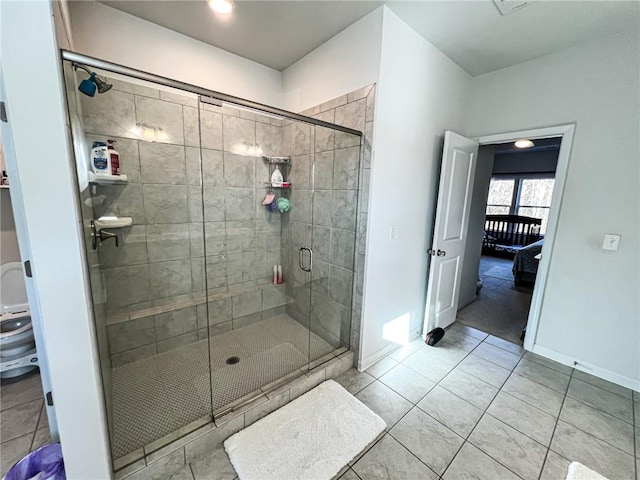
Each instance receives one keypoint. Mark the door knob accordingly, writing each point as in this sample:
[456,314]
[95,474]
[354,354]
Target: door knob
[441,253]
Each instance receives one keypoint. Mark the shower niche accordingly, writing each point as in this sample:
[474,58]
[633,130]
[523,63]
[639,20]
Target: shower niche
[190,324]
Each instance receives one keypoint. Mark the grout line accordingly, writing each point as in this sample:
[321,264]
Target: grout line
[555,426]
[33,437]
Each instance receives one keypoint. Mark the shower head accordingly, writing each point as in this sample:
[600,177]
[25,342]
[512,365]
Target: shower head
[102,85]
[89,85]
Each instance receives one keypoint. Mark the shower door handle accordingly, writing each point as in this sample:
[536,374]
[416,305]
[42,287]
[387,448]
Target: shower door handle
[301,259]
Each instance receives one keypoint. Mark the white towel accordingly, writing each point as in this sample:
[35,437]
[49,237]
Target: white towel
[578,471]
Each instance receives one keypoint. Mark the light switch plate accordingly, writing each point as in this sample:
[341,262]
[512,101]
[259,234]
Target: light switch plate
[611,241]
[394,234]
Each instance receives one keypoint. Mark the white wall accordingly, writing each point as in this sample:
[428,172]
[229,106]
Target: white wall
[420,94]
[346,62]
[115,36]
[45,201]
[591,311]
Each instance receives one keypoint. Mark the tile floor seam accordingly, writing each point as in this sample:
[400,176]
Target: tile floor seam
[20,404]
[555,426]
[603,411]
[413,454]
[490,361]
[37,423]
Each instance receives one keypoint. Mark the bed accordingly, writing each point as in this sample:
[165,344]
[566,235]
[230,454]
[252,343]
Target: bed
[504,235]
[525,265]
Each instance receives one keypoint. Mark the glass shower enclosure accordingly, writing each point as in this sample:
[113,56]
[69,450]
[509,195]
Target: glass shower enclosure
[181,247]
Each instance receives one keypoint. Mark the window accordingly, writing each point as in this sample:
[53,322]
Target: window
[530,197]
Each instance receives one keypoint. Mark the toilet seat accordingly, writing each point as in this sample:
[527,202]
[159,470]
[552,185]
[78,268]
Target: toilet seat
[14,331]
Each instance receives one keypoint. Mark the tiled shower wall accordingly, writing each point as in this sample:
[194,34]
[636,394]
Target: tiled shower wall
[155,280]
[335,221]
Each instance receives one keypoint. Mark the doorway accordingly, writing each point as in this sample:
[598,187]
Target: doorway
[473,232]
[509,217]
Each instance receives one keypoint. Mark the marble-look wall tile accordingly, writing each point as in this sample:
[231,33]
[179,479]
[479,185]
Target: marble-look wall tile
[198,274]
[371,104]
[127,285]
[268,139]
[164,116]
[214,201]
[129,87]
[300,206]
[174,323]
[358,94]
[110,115]
[171,278]
[322,243]
[343,210]
[217,268]
[132,249]
[192,166]
[247,304]
[322,207]
[238,134]
[132,334]
[342,248]
[220,311]
[183,98]
[128,356]
[168,242]
[162,163]
[273,297]
[336,102]
[211,129]
[239,204]
[345,168]
[341,281]
[239,171]
[120,201]
[300,172]
[302,138]
[190,118]
[213,168]
[166,203]
[324,137]
[323,170]
[177,341]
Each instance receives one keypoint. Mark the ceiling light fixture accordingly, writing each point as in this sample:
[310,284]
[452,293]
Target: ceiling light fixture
[223,7]
[524,144]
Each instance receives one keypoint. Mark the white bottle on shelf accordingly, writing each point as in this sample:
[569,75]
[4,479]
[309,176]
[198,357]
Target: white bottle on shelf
[276,178]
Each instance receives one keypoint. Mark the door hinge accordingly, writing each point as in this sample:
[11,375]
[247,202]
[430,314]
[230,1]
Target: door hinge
[49,399]
[3,112]
[27,268]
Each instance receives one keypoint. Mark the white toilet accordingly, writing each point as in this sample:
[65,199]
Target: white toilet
[17,346]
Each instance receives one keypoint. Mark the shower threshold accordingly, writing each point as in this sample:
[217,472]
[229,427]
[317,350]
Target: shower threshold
[156,399]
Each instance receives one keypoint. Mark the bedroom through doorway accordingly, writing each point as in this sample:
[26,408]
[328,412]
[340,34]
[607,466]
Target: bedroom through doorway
[509,217]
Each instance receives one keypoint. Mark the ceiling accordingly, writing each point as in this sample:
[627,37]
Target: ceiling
[472,33]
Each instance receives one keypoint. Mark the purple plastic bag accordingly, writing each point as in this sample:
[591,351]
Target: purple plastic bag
[45,463]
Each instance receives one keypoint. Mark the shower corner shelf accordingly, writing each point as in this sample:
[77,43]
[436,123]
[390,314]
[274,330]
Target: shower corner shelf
[277,160]
[107,179]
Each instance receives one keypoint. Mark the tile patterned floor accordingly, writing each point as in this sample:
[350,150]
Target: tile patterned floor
[158,395]
[478,407]
[23,420]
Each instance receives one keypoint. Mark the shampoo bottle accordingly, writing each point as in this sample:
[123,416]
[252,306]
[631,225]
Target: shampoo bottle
[114,158]
[276,178]
[100,161]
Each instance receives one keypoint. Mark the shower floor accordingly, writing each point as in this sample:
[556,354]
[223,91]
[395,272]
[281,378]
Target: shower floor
[157,396]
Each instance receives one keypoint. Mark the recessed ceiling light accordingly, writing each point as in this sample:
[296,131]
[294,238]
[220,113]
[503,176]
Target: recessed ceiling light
[524,144]
[223,7]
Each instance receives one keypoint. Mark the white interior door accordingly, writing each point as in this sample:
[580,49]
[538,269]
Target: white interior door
[459,160]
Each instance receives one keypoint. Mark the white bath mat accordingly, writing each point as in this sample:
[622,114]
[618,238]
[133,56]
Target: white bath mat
[312,437]
[578,471]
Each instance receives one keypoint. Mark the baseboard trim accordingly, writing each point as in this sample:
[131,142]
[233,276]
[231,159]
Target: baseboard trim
[633,384]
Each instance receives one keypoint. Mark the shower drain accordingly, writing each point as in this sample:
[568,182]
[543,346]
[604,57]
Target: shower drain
[233,360]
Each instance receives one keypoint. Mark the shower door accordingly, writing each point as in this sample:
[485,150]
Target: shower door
[144,245]
[335,181]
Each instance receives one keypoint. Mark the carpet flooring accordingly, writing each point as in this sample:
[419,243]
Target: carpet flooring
[501,308]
